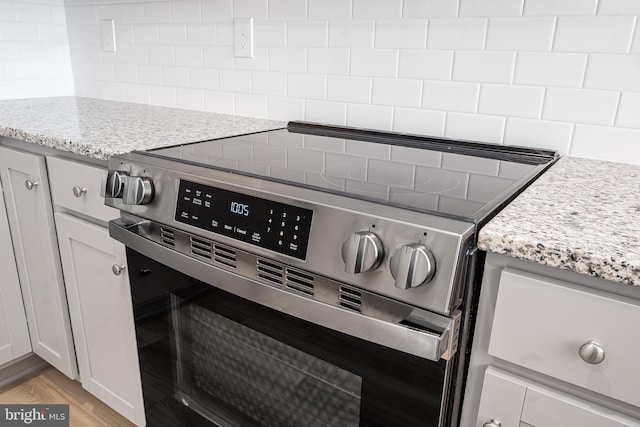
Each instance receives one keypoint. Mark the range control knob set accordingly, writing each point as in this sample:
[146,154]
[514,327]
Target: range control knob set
[133,190]
[411,265]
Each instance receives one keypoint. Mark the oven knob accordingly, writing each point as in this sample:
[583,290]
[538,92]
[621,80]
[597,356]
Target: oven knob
[138,190]
[361,252]
[412,265]
[113,184]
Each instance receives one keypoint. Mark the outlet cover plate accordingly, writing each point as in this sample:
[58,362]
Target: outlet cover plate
[243,36]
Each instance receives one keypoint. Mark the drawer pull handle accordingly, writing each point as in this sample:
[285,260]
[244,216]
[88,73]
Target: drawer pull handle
[118,269]
[591,352]
[30,184]
[79,191]
[492,423]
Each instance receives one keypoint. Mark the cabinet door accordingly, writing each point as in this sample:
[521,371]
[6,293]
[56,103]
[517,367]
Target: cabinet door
[26,188]
[101,315]
[14,335]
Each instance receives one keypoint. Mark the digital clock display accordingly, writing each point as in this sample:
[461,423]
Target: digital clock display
[271,225]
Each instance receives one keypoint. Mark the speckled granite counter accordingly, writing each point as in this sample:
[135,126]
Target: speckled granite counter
[100,129]
[581,215]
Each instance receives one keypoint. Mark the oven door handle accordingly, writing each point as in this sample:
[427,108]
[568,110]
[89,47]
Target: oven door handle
[422,333]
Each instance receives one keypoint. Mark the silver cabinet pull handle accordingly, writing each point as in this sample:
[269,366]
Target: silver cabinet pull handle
[492,423]
[117,269]
[591,352]
[30,184]
[79,191]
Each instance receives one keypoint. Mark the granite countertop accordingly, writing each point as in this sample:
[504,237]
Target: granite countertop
[581,215]
[100,129]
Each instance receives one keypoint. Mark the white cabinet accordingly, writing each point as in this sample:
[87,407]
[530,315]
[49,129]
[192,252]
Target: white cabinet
[14,334]
[99,299]
[512,402]
[28,202]
[101,314]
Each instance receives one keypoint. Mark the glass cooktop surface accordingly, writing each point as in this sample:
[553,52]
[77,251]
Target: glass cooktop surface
[451,178]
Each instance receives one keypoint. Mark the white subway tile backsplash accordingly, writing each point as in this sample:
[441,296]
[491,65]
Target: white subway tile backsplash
[235,81]
[115,91]
[328,61]
[135,54]
[450,96]
[175,76]
[487,67]
[292,60]
[161,55]
[172,34]
[218,57]
[602,34]
[131,13]
[145,33]
[474,127]
[371,9]
[329,9]
[203,78]
[270,34]
[491,7]
[201,34]
[619,7]
[269,83]
[23,32]
[7,11]
[374,62]
[520,34]
[425,64]
[258,9]
[613,72]
[285,109]
[138,94]
[287,10]
[219,102]
[125,73]
[225,34]
[88,15]
[309,86]
[424,9]
[307,34]
[629,110]
[333,113]
[157,12]
[456,33]
[580,106]
[251,106]
[351,33]
[26,12]
[189,56]
[511,101]
[349,89]
[370,116]
[560,8]
[405,33]
[216,10]
[539,133]
[550,69]
[190,99]
[259,62]
[420,122]
[606,143]
[397,92]
[635,44]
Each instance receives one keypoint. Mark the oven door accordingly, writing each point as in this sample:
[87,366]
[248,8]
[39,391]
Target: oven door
[210,357]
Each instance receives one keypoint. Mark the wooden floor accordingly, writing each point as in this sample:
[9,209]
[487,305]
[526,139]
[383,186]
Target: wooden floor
[50,386]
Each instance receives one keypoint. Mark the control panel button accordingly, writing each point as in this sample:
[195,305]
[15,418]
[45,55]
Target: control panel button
[412,265]
[113,184]
[361,252]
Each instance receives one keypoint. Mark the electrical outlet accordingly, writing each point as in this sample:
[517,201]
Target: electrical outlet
[243,32]
[108,35]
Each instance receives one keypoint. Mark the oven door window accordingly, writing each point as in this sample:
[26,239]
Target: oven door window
[211,358]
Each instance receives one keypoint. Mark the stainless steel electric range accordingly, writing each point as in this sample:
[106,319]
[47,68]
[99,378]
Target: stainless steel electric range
[313,275]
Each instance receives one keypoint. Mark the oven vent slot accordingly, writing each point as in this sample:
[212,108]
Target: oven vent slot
[224,255]
[351,299]
[201,247]
[298,281]
[270,271]
[167,237]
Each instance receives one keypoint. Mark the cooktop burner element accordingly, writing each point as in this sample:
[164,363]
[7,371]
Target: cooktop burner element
[459,179]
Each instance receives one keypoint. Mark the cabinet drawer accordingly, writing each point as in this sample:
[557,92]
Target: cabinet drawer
[513,401]
[541,324]
[64,175]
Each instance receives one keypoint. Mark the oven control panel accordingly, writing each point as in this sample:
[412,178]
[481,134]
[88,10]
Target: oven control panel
[271,225]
